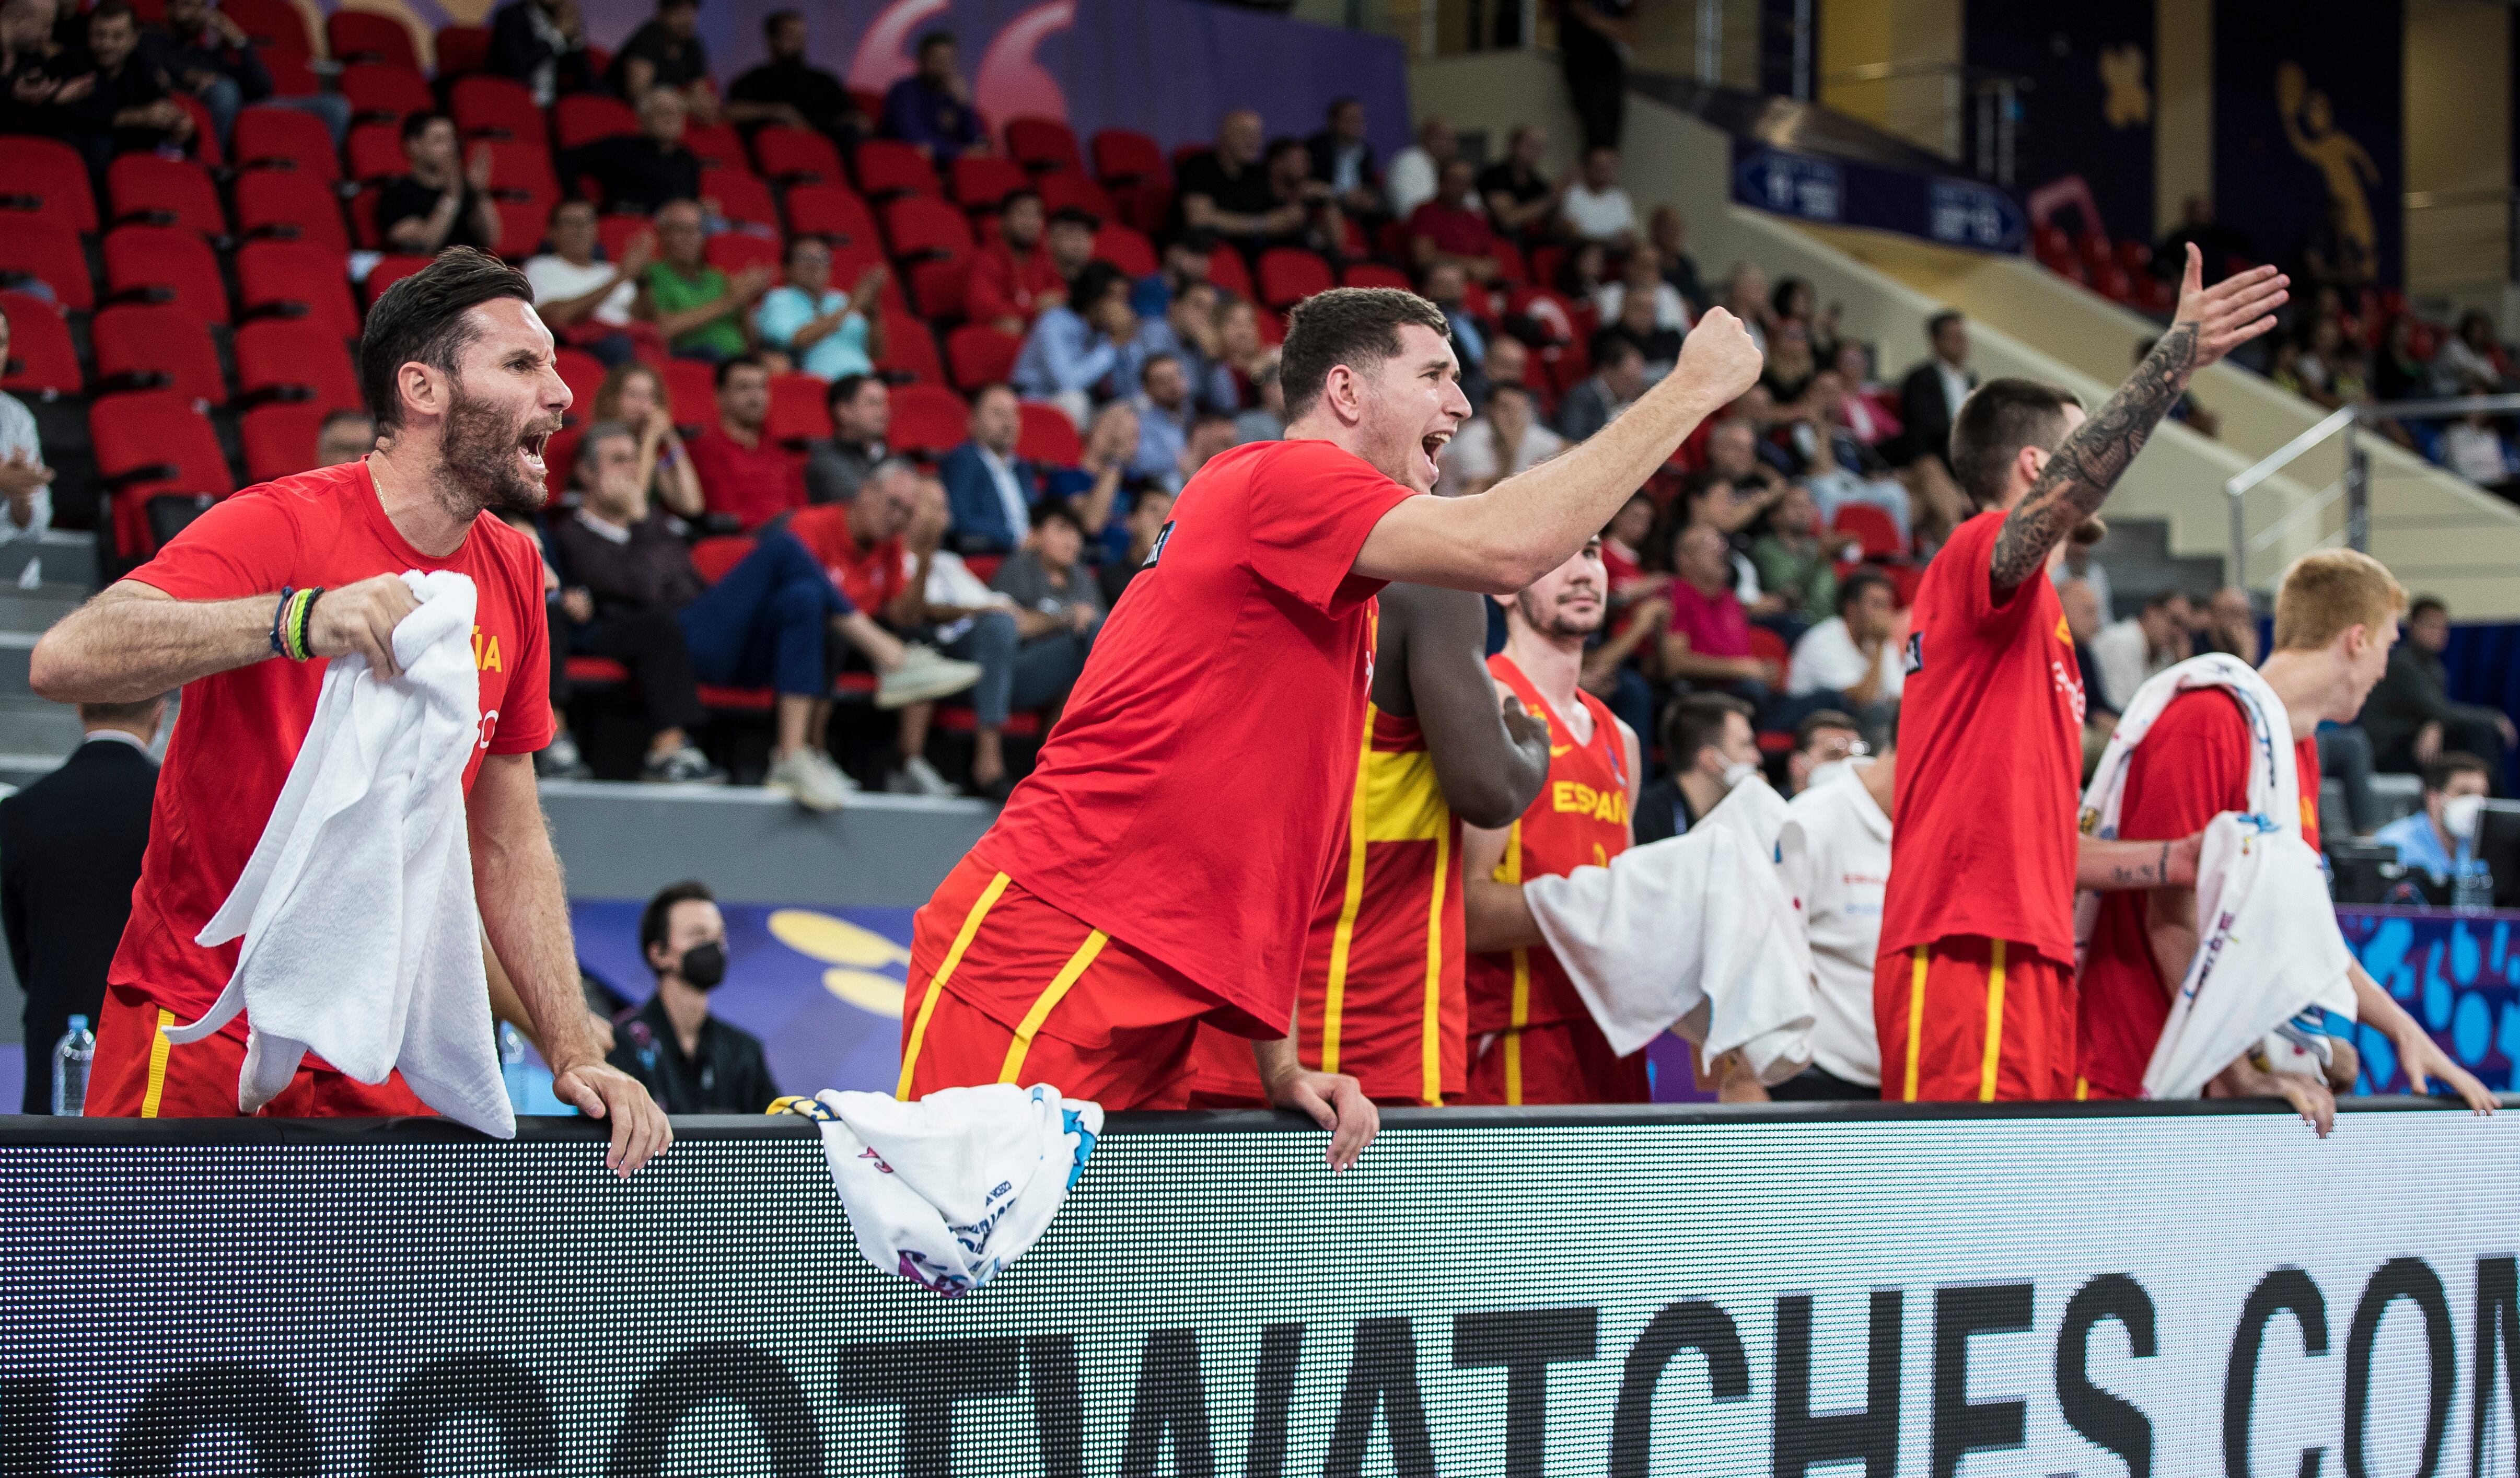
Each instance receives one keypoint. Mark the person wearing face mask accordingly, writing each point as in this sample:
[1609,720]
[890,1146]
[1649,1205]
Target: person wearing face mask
[2442,836]
[1708,741]
[1838,875]
[690,1059]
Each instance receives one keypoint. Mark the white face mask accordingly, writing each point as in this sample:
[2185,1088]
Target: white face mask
[1737,772]
[1822,774]
[2460,815]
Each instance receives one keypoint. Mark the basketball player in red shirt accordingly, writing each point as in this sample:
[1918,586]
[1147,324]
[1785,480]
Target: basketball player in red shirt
[1160,865]
[1532,1038]
[1974,991]
[458,374]
[2336,617]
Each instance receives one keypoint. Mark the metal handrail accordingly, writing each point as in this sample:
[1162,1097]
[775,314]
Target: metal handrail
[2236,490]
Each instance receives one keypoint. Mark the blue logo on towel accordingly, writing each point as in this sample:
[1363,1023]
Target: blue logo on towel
[1085,1137]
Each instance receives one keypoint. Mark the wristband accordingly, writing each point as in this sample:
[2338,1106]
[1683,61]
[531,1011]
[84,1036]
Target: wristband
[305,622]
[279,615]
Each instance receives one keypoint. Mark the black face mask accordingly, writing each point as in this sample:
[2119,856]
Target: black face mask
[704,966]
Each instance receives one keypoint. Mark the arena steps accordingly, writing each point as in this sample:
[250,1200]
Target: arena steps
[2141,562]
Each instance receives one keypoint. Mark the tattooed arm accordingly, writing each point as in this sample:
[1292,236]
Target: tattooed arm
[2211,321]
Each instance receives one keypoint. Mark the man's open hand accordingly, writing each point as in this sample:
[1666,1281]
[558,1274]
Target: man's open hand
[2233,311]
[361,618]
[599,1091]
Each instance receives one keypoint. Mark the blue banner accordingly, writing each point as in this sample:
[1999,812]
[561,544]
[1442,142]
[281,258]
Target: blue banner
[1954,212]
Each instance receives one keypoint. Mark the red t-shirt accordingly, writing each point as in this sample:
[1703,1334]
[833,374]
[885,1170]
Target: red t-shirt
[1007,284]
[1455,232]
[2191,766]
[871,578]
[1716,625]
[1990,754]
[755,483]
[239,731]
[1187,800]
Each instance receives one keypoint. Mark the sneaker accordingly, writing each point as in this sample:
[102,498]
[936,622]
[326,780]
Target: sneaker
[923,675]
[805,781]
[916,776]
[560,760]
[832,769]
[686,766]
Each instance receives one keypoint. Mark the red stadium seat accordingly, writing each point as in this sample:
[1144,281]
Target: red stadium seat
[293,360]
[1126,249]
[204,143]
[833,211]
[1048,436]
[1767,644]
[1124,157]
[283,138]
[1374,275]
[979,355]
[718,146]
[162,264]
[936,287]
[296,281]
[48,180]
[366,36]
[730,252]
[280,438]
[714,557]
[910,349]
[522,165]
[886,169]
[289,208]
[1043,144]
[149,444]
[921,229]
[797,411]
[1062,191]
[521,222]
[582,117]
[690,392]
[374,152]
[928,418]
[583,373]
[740,197]
[292,77]
[1871,527]
[796,156]
[149,190]
[388,271]
[276,26]
[462,50]
[156,347]
[984,179]
[1226,269]
[36,250]
[498,107]
[385,94]
[1147,205]
[42,359]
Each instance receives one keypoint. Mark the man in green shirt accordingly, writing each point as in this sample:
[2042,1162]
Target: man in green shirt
[1793,559]
[698,308]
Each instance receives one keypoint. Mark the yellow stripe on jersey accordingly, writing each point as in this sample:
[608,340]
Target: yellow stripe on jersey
[1430,1051]
[1343,937]
[159,1046]
[1994,1021]
[1059,984]
[936,987]
[1509,871]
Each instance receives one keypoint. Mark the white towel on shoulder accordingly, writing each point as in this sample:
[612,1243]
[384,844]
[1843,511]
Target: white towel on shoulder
[949,1191]
[361,940]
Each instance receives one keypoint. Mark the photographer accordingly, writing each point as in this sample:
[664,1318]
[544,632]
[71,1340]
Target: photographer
[692,1061]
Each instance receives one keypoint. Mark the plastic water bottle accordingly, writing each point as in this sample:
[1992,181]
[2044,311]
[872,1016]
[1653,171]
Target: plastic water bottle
[73,1056]
[2472,885]
[512,1063]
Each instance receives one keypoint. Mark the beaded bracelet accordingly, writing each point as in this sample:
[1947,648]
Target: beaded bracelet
[279,617]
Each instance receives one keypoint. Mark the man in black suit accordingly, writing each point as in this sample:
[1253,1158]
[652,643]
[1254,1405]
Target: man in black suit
[1343,159]
[1931,395]
[70,856]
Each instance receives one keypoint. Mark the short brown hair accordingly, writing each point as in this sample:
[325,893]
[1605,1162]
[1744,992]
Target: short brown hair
[1694,721]
[2327,592]
[423,319]
[2449,765]
[1356,327]
[1991,428]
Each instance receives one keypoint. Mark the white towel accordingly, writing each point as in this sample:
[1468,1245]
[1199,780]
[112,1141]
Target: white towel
[361,940]
[2267,932]
[949,1191]
[1693,934]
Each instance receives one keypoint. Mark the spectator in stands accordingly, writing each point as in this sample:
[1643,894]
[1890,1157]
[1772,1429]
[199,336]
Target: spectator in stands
[1711,744]
[1239,347]
[346,435]
[1794,562]
[2083,622]
[1931,395]
[1509,362]
[861,417]
[1145,523]
[1825,737]
[204,52]
[1187,257]
[1014,277]
[71,846]
[1341,158]
[1793,300]
[1594,41]
[1642,273]
[1321,227]
[1746,293]
[1190,333]
[667,52]
[1738,455]
[742,475]
[692,1061]
[1415,171]
[1092,486]
[968,619]
[1075,346]
[861,549]
[2080,563]
[1708,645]
[1791,366]
[2472,362]
[2474,449]
[128,105]
[1164,411]
[628,580]
[1453,227]
[1618,378]
[1055,609]
[25,483]
[445,200]
[1837,465]
[1225,189]
[1501,440]
[1213,433]
[1668,230]
[697,309]
[1854,653]
[2226,622]
[42,76]
[633,395]
[2426,838]
[2330,369]
[990,490]
[1594,207]
[1520,200]
[790,90]
[583,301]
[641,172]
[1635,324]
[2220,244]
[1264,421]
[2131,651]
[2397,372]
[542,43]
[2409,715]
[931,108]
[1448,288]
[823,333]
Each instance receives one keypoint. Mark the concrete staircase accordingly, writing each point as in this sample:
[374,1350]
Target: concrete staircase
[37,736]
[2141,562]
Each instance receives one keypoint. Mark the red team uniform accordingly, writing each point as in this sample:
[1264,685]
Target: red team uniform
[1160,865]
[231,753]
[2191,766]
[1380,998]
[1973,993]
[1533,1037]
